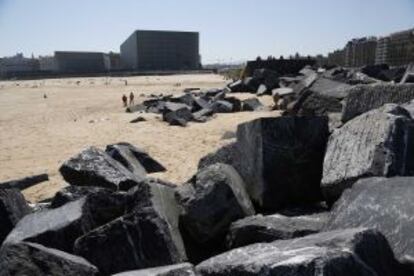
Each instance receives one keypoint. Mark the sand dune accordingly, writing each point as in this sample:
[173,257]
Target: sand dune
[38,134]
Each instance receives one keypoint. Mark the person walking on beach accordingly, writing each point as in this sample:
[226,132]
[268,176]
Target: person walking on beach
[131,99]
[125,100]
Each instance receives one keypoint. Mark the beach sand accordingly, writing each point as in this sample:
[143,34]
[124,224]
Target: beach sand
[37,135]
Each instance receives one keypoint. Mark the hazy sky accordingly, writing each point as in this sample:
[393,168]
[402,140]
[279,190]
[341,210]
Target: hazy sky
[229,29]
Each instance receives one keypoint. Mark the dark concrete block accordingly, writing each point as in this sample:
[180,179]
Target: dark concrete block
[377,143]
[260,228]
[384,204]
[36,260]
[342,253]
[13,207]
[94,167]
[281,159]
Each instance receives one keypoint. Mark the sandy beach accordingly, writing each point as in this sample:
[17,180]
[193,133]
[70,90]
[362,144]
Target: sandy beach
[37,134]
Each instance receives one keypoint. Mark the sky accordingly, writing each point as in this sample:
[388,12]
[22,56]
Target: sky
[230,30]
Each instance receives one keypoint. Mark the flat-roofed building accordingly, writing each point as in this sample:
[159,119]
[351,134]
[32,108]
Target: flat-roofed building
[47,64]
[360,52]
[400,48]
[161,50]
[79,62]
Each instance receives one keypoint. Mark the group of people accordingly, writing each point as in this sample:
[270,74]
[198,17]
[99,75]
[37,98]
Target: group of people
[125,99]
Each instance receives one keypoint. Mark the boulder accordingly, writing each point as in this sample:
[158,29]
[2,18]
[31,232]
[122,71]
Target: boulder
[150,164]
[395,74]
[330,88]
[235,102]
[227,154]
[344,252]
[237,86]
[73,193]
[261,228]
[202,115]
[25,182]
[269,78]
[304,83]
[222,106]
[261,90]
[146,236]
[172,107]
[374,71]
[137,240]
[178,117]
[211,201]
[409,75]
[138,119]
[281,159]
[186,99]
[94,167]
[282,92]
[363,98]
[199,104]
[252,104]
[13,207]
[384,204]
[126,157]
[377,143]
[59,228]
[318,104]
[184,269]
[251,84]
[159,197]
[36,260]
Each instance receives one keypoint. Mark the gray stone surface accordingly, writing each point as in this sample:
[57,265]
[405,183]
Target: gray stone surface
[330,88]
[344,252]
[377,143]
[261,90]
[385,204]
[282,92]
[94,167]
[123,155]
[261,228]
[134,158]
[36,260]
[13,207]
[222,106]
[212,200]
[281,159]
[25,182]
[59,228]
[138,240]
[73,193]
[317,104]
[184,269]
[252,104]
[159,197]
[227,154]
[178,117]
[363,98]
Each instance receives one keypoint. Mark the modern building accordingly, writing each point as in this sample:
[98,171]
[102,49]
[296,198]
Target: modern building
[79,62]
[382,50]
[400,48]
[360,52]
[337,57]
[112,61]
[18,64]
[161,50]
[47,64]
